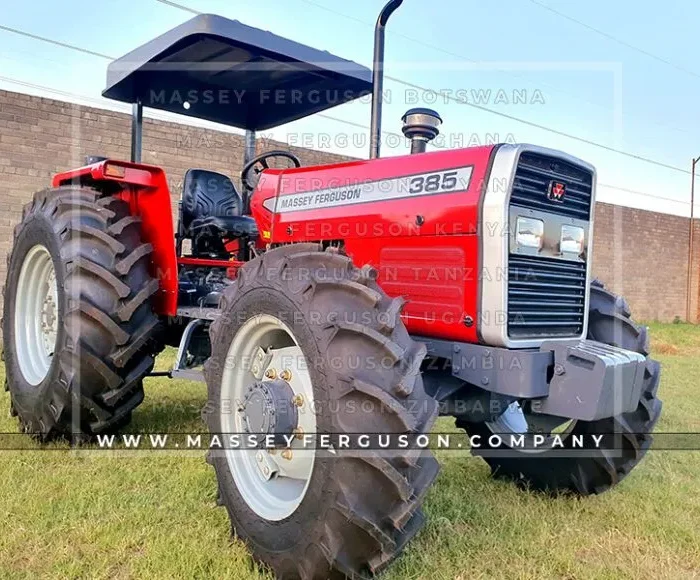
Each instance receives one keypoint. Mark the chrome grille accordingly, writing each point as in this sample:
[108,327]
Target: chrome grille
[546,297]
[532,178]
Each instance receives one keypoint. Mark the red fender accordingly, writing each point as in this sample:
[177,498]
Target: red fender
[145,188]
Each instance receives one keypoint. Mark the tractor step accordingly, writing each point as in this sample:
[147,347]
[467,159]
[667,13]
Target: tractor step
[199,312]
[181,369]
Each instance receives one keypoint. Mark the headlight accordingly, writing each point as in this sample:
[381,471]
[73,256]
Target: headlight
[571,240]
[529,233]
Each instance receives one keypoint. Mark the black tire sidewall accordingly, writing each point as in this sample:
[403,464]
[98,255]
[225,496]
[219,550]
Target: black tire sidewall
[30,400]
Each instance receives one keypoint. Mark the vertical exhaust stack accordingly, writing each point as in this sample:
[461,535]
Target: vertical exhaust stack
[421,127]
[378,77]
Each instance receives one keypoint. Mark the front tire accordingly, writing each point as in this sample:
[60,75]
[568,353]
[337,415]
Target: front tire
[78,326]
[355,513]
[599,470]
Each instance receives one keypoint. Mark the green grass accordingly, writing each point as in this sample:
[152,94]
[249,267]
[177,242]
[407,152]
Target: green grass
[153,515]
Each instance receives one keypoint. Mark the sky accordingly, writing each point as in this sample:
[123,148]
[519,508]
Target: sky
[531,71]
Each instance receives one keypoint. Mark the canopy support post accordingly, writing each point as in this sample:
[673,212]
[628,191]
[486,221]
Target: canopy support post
[136,131]
[249,151]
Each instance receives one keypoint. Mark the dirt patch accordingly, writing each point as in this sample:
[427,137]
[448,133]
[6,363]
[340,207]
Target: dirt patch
[665,347]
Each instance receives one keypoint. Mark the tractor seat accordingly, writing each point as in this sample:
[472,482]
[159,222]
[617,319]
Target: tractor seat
[211,203]
[232,226]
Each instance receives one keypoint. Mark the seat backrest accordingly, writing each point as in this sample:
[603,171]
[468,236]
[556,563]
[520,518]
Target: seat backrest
[208,194]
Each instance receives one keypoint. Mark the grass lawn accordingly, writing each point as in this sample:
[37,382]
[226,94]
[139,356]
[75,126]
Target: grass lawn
[91,515]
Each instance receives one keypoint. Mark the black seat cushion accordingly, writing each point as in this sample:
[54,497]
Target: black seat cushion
[233,226]
[207,194]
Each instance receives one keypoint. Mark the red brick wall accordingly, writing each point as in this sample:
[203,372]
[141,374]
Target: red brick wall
[639,253]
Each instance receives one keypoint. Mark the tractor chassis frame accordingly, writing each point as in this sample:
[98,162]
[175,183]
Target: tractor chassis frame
[575,379]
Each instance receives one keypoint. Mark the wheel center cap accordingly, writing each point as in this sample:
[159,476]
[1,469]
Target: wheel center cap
[268,409]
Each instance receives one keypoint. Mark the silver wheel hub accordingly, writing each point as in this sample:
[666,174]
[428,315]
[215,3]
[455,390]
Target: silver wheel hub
[36,315]
[266,390]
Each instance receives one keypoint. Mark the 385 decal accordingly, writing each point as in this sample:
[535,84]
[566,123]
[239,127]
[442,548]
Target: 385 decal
[352,193]
[434,182]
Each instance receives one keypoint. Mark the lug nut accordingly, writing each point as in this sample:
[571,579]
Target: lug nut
[266,470]
[287,454]
[271,373]
[298,400]
[298,433]
[286,375]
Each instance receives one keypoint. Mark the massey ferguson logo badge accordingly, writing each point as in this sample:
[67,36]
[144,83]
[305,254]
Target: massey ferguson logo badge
[556,191]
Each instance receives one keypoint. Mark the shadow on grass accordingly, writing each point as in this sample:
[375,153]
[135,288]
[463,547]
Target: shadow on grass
[170,410]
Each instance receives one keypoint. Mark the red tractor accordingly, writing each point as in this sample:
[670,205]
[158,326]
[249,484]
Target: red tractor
[356,298]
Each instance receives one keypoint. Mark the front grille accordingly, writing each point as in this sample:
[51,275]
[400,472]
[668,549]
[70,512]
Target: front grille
[546,297]
[532,179]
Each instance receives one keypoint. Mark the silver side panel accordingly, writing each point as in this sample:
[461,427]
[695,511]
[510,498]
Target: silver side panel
[495,239]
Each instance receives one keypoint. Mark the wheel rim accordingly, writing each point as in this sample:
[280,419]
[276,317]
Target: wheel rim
[517,422]
[272,484]
[36,315]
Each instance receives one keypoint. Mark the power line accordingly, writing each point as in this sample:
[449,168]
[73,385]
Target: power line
[554,88]
[124,109]
[174,5]
[545,128]
[397,80]
[643,193]
[615,39]
[504,115]
[111,58]
[326,116]
[54,42]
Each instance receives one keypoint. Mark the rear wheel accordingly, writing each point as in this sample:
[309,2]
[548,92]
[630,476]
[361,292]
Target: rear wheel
[78,326]
[307,343]
[547,470]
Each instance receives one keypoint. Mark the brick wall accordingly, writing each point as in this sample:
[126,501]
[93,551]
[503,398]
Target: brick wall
[642,254]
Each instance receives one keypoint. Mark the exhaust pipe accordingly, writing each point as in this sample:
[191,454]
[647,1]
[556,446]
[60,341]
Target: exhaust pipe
[378,77]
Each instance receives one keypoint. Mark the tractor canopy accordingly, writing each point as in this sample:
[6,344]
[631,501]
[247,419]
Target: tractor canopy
[221,70]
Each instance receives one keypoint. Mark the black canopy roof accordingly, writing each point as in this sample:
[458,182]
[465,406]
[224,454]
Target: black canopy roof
[218,69]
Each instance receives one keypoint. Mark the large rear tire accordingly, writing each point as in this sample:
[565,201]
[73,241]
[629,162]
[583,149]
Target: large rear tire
[349,515]
[78,326]
[600,469]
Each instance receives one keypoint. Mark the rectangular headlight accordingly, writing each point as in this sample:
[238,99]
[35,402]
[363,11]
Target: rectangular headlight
[571,240]
[529,233]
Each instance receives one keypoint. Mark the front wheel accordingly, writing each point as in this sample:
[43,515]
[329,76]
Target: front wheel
[307,343]
[599,469]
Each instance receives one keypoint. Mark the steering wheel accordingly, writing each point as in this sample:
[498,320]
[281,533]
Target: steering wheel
[252,170]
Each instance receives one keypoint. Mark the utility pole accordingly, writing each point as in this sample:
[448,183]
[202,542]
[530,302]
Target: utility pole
[691,235]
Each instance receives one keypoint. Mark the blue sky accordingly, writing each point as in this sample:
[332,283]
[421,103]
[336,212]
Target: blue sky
[498,53]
